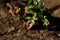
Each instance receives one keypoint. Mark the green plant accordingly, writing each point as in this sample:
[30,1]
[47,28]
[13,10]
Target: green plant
[46,22]
[36,8]
[32,19]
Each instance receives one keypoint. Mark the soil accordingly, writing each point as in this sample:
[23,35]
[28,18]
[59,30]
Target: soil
[11,28]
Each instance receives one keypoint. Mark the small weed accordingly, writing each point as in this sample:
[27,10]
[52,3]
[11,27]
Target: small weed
[36,8]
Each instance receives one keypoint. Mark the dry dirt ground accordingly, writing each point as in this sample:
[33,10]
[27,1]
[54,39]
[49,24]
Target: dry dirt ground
[11,28]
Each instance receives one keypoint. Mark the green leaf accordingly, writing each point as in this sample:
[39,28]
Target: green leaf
[46,21]
[35,2]
[31,6]
[29,1]
[28,18]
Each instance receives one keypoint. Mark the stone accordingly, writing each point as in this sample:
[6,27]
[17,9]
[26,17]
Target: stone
[56,13]
[51,3]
